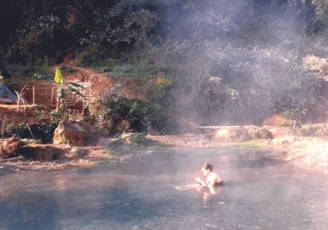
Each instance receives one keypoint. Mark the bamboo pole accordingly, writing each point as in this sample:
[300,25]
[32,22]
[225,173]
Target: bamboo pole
[83,100]
[52,93]
[4,125]
[33,95]
[18,103]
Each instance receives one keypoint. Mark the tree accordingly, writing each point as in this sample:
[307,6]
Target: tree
[56,28]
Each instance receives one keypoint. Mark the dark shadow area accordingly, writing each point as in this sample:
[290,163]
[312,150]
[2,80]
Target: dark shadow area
[255,159]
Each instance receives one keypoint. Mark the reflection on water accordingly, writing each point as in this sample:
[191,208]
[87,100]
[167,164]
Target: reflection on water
[259,192]
[208,194]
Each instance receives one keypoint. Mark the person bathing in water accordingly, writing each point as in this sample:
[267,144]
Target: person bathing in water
[212,178]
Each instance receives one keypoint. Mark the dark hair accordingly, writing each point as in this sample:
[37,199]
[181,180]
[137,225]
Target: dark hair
[208,166]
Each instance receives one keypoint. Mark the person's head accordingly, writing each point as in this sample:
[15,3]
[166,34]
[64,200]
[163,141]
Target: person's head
[207,168]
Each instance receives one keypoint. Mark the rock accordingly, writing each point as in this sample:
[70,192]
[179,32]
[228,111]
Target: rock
[277,120]
[286,144]
[134,138]
[7,169]
[238,134]
[263,134]
[128,136]
[31,141]
[74,132]
[9,146]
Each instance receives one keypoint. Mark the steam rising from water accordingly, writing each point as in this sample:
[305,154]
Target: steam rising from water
[238,61]
[258,193]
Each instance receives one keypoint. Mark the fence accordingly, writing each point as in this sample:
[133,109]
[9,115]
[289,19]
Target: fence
[46,94]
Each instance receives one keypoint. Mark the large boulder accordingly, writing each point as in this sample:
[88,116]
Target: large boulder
[235,134]
[74,132]
[133,138]
[263,134]
[9,146]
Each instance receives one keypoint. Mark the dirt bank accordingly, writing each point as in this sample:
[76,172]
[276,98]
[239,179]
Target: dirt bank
[305,147]
[305,152]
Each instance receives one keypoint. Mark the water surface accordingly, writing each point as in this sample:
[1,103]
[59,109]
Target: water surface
[260,192]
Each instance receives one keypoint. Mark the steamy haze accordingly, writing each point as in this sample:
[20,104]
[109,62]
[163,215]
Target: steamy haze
[239,61]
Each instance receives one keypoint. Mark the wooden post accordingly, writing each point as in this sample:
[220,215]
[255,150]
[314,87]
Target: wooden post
[4,125]
[52,93]
[83,99]
[33,96]
[18,103]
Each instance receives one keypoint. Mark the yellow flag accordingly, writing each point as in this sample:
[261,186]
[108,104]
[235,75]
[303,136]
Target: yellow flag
[58,77]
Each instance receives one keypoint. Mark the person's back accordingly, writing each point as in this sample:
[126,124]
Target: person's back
[212,178]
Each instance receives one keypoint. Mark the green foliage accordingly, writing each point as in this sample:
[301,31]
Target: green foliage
[139,71]
[109,65]
[38,111]
[66,69]
[129,114]
[20,131]
[26,152]
[43,131]
[321,14]
[158,91]
[135,69]
[138,139]
[115,144]
[25,71]
[61,85]
[96,59]
[126,107]
[57,28]
[87,59]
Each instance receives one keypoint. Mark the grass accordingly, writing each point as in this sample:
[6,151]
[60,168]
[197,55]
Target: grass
[25,71]
[135,69]
[66,69]
[138,71]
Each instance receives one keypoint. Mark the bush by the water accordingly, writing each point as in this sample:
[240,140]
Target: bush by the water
[134,114]
[42,131]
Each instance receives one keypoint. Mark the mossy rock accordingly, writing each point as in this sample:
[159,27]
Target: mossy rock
[264,134]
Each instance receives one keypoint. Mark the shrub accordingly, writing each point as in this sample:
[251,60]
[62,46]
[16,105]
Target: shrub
[130,114]
[20,131]
[96,58]
[26,151]
[87,59]
[25,71]
[158,92]
[138,139]
[135,68]
[66,69]
[43,131]
[125,107]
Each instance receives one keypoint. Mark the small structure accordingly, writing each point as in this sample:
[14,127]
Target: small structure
[6,96]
